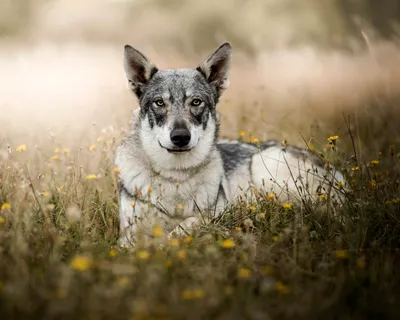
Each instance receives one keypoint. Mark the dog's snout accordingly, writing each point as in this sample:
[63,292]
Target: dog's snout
[180,135]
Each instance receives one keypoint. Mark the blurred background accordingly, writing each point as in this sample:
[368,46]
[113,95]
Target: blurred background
[298,66]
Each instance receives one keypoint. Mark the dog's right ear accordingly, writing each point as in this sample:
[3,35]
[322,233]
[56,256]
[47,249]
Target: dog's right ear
[139,70]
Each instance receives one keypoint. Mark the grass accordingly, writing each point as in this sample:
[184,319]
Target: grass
[59,257]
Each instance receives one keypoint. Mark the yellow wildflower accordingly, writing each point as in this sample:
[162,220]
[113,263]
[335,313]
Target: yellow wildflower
[56,150]
[323,196]
[44,194]
[2,220]
[112,253]
[275,238]
[243,273]
[80,263]
[254,140]
[238,229]
[168,264]
[372,184]
[5,206]
[123,281]
[92,147]
[55,157]
[228,243]
[133,203]
[174,242]
[91,177]
[339,184]
[143,255]
[252,208]
[281,288]
[374,162]
[355,168]
[187,239]
[261,215]
[180,206]
[187,295]
[271,196]
[158,231]
[181,254]
[333,138]
[267,271]
[21,148]
[242,133]
[60,188]
[287,206]
[229,290]
[198,293]
[341,254]
[361,262]
[149,189]
[65,150]
[116,170]
[192,294]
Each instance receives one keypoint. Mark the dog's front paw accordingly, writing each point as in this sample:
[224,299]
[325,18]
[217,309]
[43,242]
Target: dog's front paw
[125,243]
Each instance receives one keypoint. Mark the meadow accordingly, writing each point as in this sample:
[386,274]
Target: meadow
[65,108]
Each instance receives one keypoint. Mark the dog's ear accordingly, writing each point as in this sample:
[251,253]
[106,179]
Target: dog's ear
[139,70]
[217,66]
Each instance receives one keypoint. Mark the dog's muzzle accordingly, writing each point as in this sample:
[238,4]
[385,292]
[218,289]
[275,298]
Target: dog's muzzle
[177,150]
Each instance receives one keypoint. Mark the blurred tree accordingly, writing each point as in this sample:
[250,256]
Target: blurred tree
[14,16]
[381,15]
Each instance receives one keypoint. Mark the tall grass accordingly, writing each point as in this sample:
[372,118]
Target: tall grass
[59,256]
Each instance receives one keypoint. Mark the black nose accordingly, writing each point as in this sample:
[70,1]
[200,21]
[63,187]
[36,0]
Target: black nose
[180,137]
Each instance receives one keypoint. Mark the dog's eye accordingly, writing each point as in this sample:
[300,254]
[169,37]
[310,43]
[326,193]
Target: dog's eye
[196,102]
[159,103]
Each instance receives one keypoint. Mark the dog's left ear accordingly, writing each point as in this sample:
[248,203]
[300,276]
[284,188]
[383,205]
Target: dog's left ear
[217,66]
[139,70]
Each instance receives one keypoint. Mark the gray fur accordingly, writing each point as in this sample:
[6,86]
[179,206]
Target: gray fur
[172,180]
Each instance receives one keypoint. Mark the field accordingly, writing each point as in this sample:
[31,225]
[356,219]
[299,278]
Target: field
[65,108]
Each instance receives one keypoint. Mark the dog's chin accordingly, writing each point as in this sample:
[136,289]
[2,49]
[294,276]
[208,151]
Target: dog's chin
[176,150]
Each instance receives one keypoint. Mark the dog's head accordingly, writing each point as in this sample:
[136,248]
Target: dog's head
[178,118]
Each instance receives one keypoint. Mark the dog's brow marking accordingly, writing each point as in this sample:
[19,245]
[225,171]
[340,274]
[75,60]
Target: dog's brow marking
[166,95]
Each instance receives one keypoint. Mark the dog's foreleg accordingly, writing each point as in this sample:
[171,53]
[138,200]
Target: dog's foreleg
[129,213]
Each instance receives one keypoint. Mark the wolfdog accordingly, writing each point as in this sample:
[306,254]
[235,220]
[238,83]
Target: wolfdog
[172,167]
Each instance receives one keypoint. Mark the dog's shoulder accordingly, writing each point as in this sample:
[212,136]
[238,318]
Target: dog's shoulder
[129,142]
[235,153]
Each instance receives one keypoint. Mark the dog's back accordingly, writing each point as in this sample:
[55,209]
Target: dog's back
[287,171]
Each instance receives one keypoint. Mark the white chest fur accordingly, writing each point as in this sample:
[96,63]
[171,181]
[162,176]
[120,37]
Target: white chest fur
[156,196]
